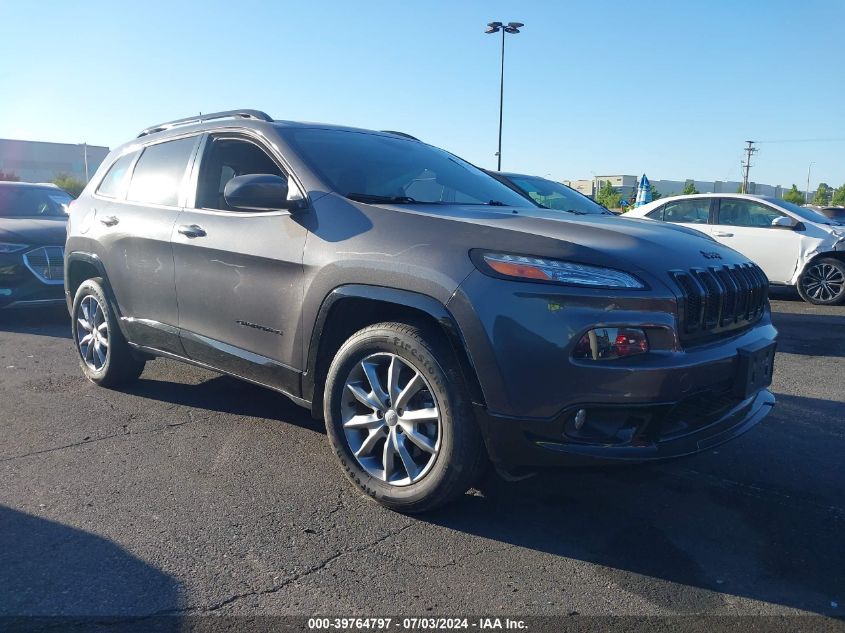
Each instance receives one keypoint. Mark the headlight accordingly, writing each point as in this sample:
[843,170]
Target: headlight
[7,247]
[553,270]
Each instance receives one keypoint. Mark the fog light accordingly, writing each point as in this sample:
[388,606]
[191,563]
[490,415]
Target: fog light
[610,343]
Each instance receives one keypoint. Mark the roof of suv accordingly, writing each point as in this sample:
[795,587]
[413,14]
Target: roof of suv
[247,118]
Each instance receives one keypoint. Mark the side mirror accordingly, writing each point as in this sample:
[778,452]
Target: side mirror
[783,222]
[258,192]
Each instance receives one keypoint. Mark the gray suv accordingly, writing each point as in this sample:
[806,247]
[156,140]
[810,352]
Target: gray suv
[436,320]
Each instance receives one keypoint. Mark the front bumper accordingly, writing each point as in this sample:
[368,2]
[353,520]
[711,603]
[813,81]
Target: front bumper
[514,442]
[21,288]
[676,400]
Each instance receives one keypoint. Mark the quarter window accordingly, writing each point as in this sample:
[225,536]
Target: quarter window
[112,183]
[739,212]
[694,211]
[160,171]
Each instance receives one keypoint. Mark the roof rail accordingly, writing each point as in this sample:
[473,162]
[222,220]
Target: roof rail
[256,115]
[402,134]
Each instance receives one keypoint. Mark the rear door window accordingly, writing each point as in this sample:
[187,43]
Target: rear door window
[696,211]
[160,172]
[112,183]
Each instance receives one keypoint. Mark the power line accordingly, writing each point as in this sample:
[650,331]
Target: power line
[806,140]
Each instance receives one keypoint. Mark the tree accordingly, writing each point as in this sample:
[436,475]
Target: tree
[655,194]
[689,188]
[72,185]
[608,196]
[8,176]
[794,196]
[838,198]
[823,194]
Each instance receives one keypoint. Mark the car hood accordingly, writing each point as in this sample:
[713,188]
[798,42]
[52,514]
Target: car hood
[33,231]
[617,242]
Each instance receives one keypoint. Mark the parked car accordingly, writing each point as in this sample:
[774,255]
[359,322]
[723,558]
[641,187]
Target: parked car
[429,314]
[795,246]
[32,235]
[837,214]
[549,194]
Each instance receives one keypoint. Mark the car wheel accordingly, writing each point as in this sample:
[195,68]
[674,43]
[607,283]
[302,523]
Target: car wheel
[823,282]
[398,416]
[105,356]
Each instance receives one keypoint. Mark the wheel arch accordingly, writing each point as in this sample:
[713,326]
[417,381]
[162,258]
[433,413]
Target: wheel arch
[81,266]
[349,308]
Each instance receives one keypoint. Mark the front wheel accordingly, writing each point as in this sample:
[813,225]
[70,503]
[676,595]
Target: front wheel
[398,416]
[823,282]
[105,356]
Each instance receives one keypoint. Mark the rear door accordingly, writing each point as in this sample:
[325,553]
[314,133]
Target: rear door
[239,273]
[137,204]
[746,226]
[691,212]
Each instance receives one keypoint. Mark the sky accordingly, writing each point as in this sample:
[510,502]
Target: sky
[667,88]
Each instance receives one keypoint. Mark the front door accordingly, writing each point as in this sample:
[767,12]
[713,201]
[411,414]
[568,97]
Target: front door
[239,273]
[746,226]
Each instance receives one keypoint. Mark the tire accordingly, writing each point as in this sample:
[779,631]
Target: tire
[823,282]
[445,450]
[106,359]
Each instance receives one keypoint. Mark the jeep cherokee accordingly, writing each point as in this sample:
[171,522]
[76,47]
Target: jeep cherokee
[433,317]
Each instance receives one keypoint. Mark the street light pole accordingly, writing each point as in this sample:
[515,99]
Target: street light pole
[495,27]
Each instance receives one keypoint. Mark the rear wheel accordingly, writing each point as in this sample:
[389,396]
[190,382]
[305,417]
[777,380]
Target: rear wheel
[399,419]
[105,356]
[823,282]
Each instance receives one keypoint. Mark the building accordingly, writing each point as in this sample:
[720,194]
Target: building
[35,161]
[627,186]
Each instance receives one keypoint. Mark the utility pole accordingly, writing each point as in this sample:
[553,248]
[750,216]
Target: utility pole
[749,151]
[807,194]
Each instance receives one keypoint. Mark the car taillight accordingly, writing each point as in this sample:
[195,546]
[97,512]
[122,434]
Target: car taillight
[611,343]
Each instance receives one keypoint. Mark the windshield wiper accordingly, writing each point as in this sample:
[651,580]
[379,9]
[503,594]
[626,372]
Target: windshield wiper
[369,197]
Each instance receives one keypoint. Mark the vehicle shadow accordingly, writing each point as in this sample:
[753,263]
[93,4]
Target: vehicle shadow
[53,321]
[811,334]
[50,570]
[758,518]
[225,394]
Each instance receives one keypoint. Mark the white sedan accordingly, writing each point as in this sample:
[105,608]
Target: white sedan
[793,245]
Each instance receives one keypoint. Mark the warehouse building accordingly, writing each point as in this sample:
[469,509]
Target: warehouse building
[36,161]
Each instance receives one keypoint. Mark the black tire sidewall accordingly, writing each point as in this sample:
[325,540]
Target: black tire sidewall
[836,301]
[94,288]
[415,352]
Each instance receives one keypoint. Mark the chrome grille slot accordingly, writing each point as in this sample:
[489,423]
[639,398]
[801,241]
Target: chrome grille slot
[47,263]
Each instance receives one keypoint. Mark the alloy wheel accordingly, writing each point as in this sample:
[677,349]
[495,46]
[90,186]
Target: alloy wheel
[391,419]
[92,333]
[823,282]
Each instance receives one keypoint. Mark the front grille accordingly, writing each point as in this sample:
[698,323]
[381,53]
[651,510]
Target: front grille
[697,411]
[47,263]
[719,298]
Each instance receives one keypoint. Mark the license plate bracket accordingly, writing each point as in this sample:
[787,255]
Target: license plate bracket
[755,364]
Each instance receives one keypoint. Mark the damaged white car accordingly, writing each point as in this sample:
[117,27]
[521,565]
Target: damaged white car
[794,246]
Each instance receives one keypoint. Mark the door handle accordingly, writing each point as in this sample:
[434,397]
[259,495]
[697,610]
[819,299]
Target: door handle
[191,230]
[109,220]
[721,234]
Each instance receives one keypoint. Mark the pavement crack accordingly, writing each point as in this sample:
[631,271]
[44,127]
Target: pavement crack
[61,448]
[299,576]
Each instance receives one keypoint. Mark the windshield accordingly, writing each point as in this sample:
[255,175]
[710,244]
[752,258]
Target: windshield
[555,195]
[18,201]
[810,215]
[376,168]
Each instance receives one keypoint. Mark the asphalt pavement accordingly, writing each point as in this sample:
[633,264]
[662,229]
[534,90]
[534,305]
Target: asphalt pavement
[192,493]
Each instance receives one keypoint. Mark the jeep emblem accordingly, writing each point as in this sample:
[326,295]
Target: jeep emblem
[711,255]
